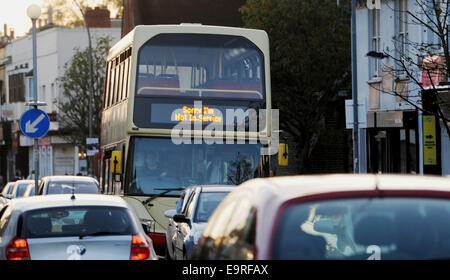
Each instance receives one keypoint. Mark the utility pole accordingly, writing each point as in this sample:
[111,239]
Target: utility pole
[91,85]
[355,93]
[33,12]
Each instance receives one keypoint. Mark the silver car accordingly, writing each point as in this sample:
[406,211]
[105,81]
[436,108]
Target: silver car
[184,229]
[72,227]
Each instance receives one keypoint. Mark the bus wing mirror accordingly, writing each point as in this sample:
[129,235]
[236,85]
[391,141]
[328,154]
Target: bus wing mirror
[283,154]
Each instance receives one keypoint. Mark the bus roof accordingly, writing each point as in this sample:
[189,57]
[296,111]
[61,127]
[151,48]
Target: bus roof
[141,33]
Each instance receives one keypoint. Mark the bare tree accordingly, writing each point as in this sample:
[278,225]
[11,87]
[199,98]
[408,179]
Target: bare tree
[424,63]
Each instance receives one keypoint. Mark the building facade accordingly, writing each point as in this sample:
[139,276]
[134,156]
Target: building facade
[398,130]
[55,46]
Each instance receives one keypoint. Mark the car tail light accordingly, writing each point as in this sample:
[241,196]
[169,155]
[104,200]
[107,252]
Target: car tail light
[139,248]
[17,249]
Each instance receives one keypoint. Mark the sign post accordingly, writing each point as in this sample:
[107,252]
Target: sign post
[33,12]
[429,140]
[35,123]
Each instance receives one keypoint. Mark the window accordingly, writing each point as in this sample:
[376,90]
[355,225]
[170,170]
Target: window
[433,40]
[374,30]
[207,203]
[17,88]
[5,214]
[112,83]
[200,65]
[69,186]
[108,84]
[29,89]
[191,205]
[125,80]
[412,228]
[120,83]
[402,37]
[78,221]
[171,165]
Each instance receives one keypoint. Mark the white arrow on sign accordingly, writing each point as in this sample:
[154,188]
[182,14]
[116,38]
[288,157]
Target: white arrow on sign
[30,127]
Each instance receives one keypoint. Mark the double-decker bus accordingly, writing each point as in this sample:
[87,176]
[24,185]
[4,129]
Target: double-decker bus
[185,78]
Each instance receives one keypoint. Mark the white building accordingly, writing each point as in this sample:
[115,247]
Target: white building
[390,128]
[55,47]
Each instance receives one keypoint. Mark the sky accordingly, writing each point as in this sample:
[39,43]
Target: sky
[14,13]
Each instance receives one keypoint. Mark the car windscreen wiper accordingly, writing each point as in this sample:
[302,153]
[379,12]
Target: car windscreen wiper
[166,190]
[100,233]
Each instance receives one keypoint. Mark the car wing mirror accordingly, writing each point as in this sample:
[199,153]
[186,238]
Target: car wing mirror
[180,218]
[170,213]
[147,226]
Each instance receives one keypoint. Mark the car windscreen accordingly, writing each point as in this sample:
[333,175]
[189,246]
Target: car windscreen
[77,221]
[207,203]
[61,187]
[364,228]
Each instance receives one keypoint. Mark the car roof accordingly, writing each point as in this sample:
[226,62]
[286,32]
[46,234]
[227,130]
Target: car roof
[217,188]
[23,181]
[290,187]
[68,178]
[60,200]
[270,193]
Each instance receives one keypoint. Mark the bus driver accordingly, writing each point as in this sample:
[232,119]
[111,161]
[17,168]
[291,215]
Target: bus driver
[152,165]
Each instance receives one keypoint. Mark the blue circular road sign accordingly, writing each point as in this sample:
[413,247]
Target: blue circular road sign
[34,123]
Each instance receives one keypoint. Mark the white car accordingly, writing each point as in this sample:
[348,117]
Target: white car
[68,184]
[185,228]
[72,227]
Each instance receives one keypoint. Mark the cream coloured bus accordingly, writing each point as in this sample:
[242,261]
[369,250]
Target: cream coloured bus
[186,78]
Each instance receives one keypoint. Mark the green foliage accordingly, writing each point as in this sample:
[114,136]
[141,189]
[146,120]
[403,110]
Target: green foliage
[310,61]
[75,84]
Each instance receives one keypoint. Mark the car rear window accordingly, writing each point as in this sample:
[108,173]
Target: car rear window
[21,189]
[364,228]
[77,221]
[67,187]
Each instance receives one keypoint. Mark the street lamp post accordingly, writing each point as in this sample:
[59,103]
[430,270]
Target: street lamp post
[356,162]
[91,83]
[33,12]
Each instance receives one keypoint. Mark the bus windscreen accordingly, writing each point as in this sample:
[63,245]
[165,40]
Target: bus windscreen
[160,163]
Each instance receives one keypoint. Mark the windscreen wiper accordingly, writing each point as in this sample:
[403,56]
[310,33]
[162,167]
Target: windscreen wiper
[166,190]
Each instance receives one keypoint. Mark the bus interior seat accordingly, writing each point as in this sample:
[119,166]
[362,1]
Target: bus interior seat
[160,81]
[235,86]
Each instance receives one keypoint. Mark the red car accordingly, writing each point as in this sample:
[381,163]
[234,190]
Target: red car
[342,216]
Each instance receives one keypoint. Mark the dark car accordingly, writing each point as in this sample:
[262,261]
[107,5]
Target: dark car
[332,217]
